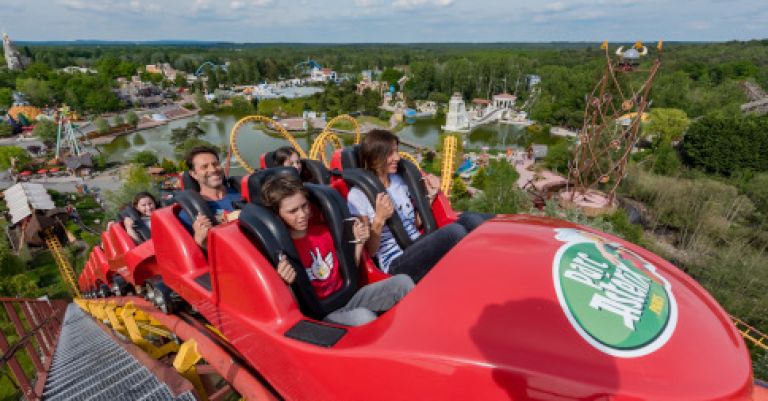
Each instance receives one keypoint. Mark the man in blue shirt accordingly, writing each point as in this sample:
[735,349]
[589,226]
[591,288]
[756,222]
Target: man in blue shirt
[205,168]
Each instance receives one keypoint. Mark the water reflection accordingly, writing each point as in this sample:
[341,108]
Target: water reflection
[253,141]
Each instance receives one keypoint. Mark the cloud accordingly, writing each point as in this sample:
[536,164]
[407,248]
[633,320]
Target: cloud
[410,4]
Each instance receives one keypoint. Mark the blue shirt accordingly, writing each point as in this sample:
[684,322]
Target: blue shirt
[388,249]
[218,207]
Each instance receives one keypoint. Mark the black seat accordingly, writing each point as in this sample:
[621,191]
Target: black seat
[271,237]
[355,175]
[138,223]
[193,203]
[311,170]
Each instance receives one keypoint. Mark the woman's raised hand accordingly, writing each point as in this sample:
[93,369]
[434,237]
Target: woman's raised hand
[384,206]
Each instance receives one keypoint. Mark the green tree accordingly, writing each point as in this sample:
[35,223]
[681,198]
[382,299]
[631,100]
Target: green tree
[118,120]
[38,92]
[242,107]
[391,75]
[169,166]
[102,125]
[666,125]
[190,143]
[478,181]
[5,129]
[6,97]
[136,179]
[665,160]
[558,156]
[132,118]
[726,144]
[146,158]
[46,130]
[7,153]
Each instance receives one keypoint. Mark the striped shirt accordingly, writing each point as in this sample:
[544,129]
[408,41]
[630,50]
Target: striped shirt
[388,249]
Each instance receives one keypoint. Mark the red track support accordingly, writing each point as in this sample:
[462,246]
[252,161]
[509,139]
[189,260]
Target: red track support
[44,319]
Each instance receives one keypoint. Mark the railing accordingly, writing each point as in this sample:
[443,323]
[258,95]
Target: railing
[37,327]
[750,333]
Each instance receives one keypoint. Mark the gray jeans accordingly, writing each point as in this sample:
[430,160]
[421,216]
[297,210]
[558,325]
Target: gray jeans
[376,297]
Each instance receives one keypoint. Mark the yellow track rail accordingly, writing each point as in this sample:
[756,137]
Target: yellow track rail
[449,152]
[345,117]
[268,121]
[317,152]
[750,333]
[65,269]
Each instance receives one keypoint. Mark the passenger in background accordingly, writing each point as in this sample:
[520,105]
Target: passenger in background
[144,204]
[205,168]
[289,157]
[287,198]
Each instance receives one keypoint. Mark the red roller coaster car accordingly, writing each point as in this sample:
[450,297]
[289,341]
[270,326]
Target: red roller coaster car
[523,308]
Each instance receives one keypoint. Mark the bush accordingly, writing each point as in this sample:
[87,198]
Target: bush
[727,144]
[5,129]
[117,120]
[146,158]
[558,156]
[501,195]
[132,118]
[45,130]
[102,125]
[666,160]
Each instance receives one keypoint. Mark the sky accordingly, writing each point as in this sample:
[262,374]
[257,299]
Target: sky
[384,21]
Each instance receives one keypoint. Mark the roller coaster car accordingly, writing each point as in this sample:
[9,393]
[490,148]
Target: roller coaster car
[131,264]
[523,308]
[100,274]
[311,170]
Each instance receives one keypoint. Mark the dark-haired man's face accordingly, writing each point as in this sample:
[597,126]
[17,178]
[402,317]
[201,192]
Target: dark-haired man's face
[207,170]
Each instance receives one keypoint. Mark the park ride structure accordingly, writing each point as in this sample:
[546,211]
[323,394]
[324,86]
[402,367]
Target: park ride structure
[606,139]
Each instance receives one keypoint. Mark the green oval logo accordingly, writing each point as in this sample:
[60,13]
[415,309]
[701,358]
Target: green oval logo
[613,297]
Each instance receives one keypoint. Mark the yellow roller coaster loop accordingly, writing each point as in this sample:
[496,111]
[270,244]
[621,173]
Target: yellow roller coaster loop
[317,152]
[449,151]
[409,157]
[346,117]
[268,121]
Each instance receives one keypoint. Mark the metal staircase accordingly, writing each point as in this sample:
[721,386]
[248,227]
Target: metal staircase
[89,365]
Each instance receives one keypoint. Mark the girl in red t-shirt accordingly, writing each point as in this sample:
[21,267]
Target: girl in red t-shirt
[286,196]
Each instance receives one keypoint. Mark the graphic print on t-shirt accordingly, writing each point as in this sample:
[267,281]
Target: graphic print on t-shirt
[321,265]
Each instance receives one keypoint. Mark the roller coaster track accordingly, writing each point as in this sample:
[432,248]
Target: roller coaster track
[345,117]
[750,333]
[63,264]
[449,152]
[233,134]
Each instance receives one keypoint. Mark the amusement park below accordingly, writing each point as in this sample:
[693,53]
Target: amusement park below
[522,307]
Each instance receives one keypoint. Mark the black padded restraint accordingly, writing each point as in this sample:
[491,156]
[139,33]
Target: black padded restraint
[138,224]
[367,182]
[193,203]
[412,177]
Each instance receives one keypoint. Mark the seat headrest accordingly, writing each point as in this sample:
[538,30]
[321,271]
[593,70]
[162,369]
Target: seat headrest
[314,171]
[350,157]
[258,178]
[188,182]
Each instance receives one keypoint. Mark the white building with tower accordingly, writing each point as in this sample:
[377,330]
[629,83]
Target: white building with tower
[457,119]
[14,59]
